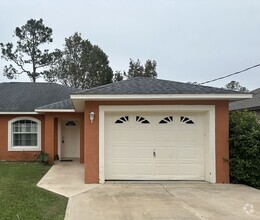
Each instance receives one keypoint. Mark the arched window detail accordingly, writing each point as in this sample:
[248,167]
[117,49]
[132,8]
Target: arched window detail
[186,120]
[122,120]
[70,123]
[166,120]
[24,134]
[142,120]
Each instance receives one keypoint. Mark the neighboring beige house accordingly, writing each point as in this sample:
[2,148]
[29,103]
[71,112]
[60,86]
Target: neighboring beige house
[248,104]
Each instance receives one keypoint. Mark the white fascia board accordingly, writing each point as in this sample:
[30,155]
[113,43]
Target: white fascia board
[54,110]
[163,97]
[18,113]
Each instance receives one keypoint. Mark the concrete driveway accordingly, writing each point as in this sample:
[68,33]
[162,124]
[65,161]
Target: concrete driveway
[149,201]
[177,200]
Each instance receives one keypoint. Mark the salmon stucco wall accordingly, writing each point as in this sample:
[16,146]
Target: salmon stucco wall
[91,144]
[91,136]
[17,155]
[55,137]
[222,142]
[49,136]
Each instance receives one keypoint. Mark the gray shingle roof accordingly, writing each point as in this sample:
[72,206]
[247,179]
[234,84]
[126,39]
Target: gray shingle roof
[27,96]
[145,85]
[250,104]
[65,104]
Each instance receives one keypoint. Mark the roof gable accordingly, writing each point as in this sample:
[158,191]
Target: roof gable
[65,105]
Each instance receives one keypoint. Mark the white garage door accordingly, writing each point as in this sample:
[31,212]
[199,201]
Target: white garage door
[153,146]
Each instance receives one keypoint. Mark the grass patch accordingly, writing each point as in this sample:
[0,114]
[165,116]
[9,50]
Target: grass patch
[20,198]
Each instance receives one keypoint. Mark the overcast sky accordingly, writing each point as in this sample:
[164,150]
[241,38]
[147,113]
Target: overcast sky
[191,40]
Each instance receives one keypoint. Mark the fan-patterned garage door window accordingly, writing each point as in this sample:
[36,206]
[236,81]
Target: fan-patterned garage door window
[122,120]
[166,120]
[186,120]
[141,120]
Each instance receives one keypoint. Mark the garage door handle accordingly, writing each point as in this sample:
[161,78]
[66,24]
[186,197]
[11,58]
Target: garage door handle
[154,153]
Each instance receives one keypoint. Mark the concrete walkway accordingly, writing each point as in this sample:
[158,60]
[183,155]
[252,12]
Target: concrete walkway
[149,201]
[65,178]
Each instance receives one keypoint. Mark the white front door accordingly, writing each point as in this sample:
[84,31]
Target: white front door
[154,146]
[70,139]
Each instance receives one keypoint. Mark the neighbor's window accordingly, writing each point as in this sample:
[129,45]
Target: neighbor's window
[24,134]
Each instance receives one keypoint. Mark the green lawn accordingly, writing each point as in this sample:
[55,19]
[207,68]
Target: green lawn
[20,198]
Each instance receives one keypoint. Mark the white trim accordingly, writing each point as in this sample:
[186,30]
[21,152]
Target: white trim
[209,109]
[24,148]
[18,113]
[54,110]
[210,153]
[163,97]
[59,138]
[101,150]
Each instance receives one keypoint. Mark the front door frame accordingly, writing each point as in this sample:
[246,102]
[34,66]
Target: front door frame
[60,134]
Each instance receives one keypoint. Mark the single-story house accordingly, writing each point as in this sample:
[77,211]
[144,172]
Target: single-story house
[248,104]
[136,129]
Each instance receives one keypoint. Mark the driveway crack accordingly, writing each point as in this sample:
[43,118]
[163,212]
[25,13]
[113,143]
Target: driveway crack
[185,204]
[166,190]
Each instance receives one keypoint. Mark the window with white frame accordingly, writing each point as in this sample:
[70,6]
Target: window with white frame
[24,134]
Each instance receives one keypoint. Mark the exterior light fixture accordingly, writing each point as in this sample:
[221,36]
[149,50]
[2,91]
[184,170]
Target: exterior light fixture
[91,116]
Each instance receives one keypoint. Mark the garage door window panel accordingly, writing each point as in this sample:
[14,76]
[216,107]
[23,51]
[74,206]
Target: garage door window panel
[142,120]
[122,120]
[186,120]
[166,120]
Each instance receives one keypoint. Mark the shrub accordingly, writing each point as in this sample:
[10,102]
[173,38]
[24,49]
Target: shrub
[244,132]
[43,158]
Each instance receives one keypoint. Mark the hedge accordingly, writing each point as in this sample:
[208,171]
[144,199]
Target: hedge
[244,146]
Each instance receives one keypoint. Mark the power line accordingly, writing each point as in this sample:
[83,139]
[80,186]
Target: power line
[232,74]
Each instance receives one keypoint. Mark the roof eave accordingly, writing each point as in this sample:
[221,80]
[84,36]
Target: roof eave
[18,113]
[54,110]
[257,108]
[78,100]
[97,97]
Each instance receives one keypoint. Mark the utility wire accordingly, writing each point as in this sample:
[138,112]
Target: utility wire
[232,74]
